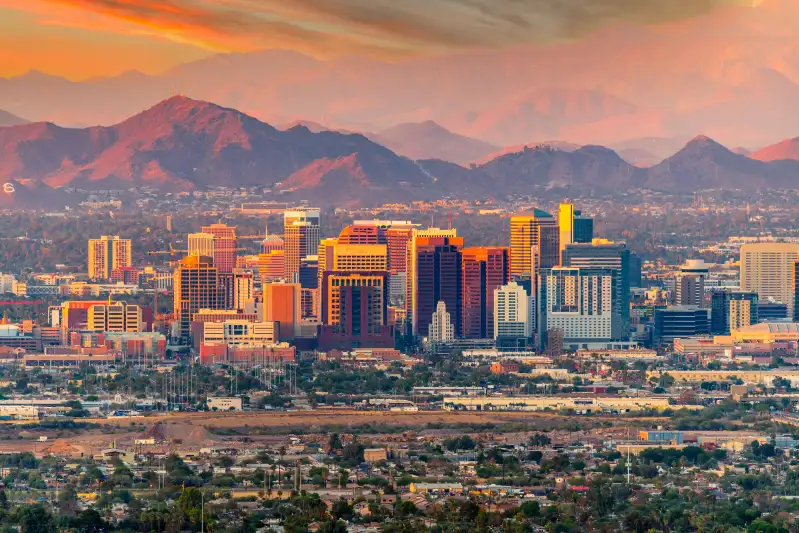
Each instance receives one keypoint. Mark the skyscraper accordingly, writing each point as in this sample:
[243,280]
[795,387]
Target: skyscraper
[272,266]
[418,235]
[731,310]
[573,226]
[354,310]
[514,312]
[441,328]
[607,255]
[196,286]
[201,244]
[534,241]
[107,254]
[484,270]
[243,291]
[579,302]
[768,270]
[436,275]
[689,283]
[283,304]
[225,245]
[300,239]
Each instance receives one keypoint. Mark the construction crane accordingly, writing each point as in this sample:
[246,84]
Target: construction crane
[171,252]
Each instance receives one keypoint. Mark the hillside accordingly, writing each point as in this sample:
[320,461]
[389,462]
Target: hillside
[429,140]
[705,164]
[788,149]
[7,119]
[182,144]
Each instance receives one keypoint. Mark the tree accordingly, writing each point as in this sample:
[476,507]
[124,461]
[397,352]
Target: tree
[341,509]
[333,526]
[90,521]
[33,519]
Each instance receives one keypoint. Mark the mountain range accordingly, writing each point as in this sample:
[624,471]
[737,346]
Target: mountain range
[184,144]
[7,119]
[732,74]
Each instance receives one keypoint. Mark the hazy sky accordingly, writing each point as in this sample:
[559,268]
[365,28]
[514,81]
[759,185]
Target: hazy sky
[84,38]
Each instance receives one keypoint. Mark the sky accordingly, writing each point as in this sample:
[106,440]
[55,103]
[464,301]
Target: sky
[80,39]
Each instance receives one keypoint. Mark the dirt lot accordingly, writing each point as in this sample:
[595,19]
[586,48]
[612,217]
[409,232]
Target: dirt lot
[345,418]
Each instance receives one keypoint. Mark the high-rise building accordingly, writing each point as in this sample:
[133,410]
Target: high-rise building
[272,266]
[107,254]
[573,226]
[283,304]
[196,286]
[117,317]
[396,234]
[607,255]
[271,242]
[732,310]
[418,235]
[201,244]
[579,302]
[309,281]
[354,310]
[225,246]
[768,270]
[534,242]
[441,328]
[435,275]
[484,270]
[679,322]
[300,239]
[243,291]
[514,312]
[689,283]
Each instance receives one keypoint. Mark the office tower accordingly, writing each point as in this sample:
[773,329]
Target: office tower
[243,291]
[679,322]
[196,286]
[514,312]
[354,310]
[300,238]
[534,242]
[225,246]
[768,270]
[419,236]
[579,302]
[441,328]
[771,311]
[117,317]
[484,270]
[435,276]
[309,281]
[607,255]
[107,254]
[689,283]
[270,242]
[201,244]
[271,266]
[283,304]
[795,290]
[732,310]
[573,226]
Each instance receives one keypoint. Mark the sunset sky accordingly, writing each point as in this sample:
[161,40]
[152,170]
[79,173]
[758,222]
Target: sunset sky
[80,39]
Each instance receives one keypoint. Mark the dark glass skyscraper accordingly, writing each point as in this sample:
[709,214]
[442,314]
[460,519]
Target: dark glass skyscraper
[484,269]
[438,277]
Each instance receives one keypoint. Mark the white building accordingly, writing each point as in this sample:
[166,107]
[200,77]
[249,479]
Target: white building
[514,314]
[240,333]
[579,303]
[201,244]
[767,269]
[218,403]
[7,282]
[441,328]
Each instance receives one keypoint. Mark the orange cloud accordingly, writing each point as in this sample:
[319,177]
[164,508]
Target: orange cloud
[324,27]
[379,28]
